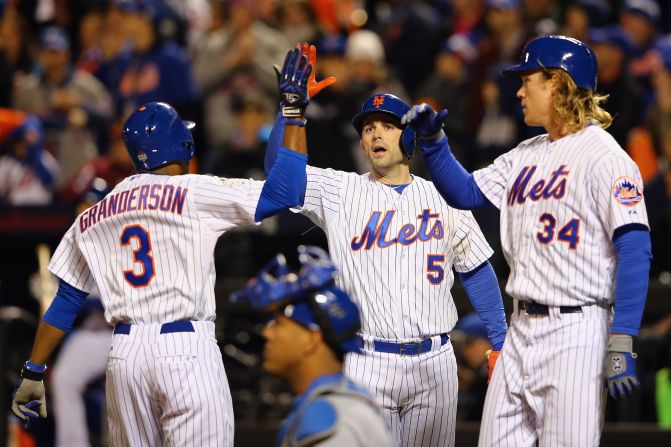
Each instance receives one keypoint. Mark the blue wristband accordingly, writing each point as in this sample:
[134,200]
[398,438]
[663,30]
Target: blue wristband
[34,367]
[294,122]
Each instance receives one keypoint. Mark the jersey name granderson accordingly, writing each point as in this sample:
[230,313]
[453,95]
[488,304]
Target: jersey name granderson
[159,197]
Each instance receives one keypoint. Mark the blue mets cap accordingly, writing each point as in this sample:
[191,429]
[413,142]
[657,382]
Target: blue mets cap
[54,38]
[309,297]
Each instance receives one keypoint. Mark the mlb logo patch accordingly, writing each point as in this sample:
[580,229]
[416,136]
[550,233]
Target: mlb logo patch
[627,192]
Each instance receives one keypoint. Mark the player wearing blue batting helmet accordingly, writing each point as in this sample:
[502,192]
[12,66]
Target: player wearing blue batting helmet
[565,53]
[155,136]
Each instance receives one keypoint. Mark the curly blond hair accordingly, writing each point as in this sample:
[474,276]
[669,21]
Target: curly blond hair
[575,107]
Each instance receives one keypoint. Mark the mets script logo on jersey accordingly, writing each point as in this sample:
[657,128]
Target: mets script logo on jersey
[376,232]
[627,192]
[378,101]
[552,188]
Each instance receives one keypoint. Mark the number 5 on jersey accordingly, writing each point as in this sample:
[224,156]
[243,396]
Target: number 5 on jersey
[141,256]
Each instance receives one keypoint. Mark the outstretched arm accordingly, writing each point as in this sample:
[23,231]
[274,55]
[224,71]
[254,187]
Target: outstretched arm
[287,179]
[454,183]
[277,133]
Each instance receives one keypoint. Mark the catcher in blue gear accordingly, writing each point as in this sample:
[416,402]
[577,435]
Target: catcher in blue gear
[314,325]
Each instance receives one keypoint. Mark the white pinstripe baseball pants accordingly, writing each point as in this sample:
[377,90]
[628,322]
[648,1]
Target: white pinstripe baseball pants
[548,381]
[418,394]
[168,389]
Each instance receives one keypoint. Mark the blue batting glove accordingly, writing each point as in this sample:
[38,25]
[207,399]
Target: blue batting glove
[425,121]
[620,365]
[292,81]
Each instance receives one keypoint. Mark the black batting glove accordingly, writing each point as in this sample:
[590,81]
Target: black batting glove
[292,81]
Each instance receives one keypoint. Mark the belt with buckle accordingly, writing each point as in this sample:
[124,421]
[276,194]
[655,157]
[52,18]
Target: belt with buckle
[534,308]
[166,328]
[409,348]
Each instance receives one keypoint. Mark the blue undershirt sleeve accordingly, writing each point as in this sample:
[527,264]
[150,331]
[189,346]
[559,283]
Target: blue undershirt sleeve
[454,183]
[67,303]
[634,253]
[285,186]
[483,290]
[274,143]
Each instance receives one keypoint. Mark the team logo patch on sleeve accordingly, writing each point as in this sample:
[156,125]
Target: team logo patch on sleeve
[627,192]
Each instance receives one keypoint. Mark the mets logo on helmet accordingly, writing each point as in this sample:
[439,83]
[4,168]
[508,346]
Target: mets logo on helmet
[627,192]
[378,101]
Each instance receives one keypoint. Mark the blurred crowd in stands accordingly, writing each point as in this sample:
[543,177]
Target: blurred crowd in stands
[72,70]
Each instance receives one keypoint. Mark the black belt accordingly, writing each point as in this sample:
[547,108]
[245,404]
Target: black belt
[533,308]
[409,348]
[166,328]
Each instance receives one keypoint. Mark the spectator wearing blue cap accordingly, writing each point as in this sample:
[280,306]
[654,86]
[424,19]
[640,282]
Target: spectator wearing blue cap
[158,69]
[73,105]
[581,15]
[613,49]
[640,20]
[313,326]
[27,172]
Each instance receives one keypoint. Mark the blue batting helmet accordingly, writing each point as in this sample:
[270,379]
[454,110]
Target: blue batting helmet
[565,53]
[394,106]
[155,136]
[309,297]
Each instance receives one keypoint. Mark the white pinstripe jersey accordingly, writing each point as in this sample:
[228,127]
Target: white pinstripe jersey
[149,244]
[560,203]
[395,251]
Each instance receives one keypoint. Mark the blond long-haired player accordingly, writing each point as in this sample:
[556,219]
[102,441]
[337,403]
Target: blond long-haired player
[574,230]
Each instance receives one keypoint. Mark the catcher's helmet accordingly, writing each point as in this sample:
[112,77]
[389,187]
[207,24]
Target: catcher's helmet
[309,297]
[155,135]
[566,53]
[390,105]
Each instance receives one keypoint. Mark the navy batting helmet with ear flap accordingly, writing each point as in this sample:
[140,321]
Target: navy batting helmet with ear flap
[565,53]
[394,106]
[155,136]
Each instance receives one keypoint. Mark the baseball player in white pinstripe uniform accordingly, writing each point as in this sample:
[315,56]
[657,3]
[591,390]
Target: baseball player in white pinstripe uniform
[574,231]
[396,241]
[148,248]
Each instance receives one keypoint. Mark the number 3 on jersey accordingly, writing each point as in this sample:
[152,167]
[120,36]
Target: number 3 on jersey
[569,233]
[141,255]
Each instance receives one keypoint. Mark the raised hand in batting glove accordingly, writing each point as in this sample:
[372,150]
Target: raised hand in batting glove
[426,123]
[292,81]
[29,397]
[620,365]
[314,87]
